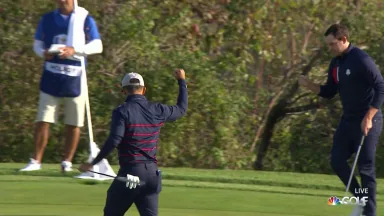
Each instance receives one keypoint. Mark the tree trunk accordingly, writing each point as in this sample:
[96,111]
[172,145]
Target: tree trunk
[278,112]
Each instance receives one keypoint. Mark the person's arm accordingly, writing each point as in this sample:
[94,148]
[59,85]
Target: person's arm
[38,45]
[313,87]
[93,44]
[116,134]
[374,78]
[171,113]
[38,48]
[329,89]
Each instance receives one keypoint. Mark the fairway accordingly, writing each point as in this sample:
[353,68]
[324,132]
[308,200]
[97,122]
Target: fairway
[205,192]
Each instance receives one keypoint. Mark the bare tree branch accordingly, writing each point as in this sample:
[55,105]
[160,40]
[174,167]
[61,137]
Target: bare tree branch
[306,69]
[358,4]
[121,48]
[303,108]
[293,48]
[262,125]
[119,65]
[299,97]
[307,37]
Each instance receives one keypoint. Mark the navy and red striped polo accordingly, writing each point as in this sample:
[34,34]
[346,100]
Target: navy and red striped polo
[136,124]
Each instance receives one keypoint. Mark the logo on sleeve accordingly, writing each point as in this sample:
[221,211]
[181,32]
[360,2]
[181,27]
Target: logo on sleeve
[348,72]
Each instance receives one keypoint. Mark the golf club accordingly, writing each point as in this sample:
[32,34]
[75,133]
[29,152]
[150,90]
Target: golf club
[354,165]
[119,178]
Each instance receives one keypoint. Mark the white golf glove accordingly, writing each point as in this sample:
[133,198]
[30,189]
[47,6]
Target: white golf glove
[132,181]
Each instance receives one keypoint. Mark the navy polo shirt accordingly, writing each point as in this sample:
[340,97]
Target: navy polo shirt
[135,127]
[355,76]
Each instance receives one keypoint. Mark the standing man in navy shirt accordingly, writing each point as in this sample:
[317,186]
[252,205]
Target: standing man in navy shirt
[61,80]
[353,74]
[135,131]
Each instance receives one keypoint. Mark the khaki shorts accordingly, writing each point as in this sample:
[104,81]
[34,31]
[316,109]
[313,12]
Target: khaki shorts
[48,109]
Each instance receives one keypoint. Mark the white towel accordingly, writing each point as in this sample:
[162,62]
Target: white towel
[76,35]
[76,39]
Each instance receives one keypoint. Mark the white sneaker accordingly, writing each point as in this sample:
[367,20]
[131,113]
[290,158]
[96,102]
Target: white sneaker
[66,166]
[33,165]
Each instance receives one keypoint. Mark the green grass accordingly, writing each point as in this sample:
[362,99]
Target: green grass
[185,192]
[285,179]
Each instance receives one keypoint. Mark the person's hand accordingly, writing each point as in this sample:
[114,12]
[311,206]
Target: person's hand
[132,181]
[179,74]
[366,125]
[304,81]
[85,167]
[309,85]
[66,52]
[48,56]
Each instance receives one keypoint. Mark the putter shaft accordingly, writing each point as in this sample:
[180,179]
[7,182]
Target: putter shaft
[354,165]
[101,174]
[115,177]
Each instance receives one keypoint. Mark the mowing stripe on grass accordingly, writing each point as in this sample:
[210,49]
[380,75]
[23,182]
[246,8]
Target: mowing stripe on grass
[278,179]
[183,183]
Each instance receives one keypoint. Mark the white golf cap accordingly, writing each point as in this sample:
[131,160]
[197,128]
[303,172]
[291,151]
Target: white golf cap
[129,76]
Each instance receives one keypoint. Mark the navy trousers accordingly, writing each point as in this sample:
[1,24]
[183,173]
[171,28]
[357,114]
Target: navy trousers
[146,196]
[346,141]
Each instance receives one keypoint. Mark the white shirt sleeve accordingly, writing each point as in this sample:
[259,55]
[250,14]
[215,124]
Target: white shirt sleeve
[38,48]
[93,47]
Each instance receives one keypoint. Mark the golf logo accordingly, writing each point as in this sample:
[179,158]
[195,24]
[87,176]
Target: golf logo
[334,201]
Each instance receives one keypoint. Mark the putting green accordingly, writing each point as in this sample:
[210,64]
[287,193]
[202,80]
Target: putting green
[49,193]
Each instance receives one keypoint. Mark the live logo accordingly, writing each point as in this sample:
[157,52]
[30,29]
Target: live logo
[361,190]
